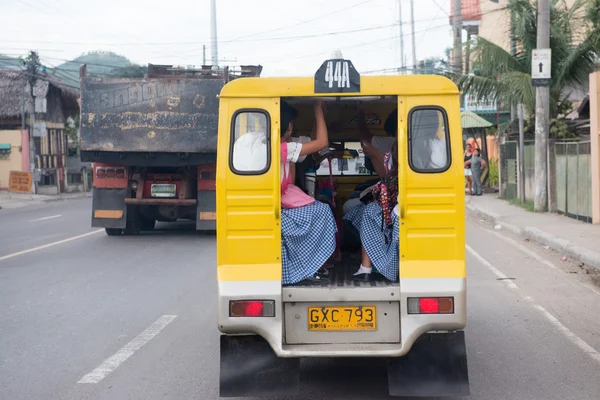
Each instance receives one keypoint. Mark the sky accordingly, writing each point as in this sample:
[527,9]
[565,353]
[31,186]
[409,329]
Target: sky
[288,38]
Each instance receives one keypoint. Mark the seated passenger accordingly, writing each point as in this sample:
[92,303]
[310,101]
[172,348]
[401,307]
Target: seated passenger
[377,223]
[308,227]
[374,147]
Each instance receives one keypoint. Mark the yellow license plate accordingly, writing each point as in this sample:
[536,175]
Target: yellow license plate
[347,318]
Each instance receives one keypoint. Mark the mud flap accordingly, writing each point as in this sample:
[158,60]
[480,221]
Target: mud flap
[250,368]
[108,208]
[436,366]
[206,211]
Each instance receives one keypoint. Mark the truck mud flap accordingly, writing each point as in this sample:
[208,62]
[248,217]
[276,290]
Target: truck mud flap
[109,209]
[250,368]
[436,366]
[206,217]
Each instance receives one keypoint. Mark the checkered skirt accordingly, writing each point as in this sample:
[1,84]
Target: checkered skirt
[307,240]
[382,245]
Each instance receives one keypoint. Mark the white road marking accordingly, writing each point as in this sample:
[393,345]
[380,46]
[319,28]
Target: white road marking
[496,271]
[570,335]
[576,340]
[45,218]
[113,362]
[20,253]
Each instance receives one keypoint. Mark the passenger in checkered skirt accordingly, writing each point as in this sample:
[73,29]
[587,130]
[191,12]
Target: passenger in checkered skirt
[377,222]
[308,227]
[380,245]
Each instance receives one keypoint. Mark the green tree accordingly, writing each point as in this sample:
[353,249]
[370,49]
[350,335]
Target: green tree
[575,44]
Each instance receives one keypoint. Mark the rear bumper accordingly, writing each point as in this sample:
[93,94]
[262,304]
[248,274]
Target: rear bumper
[411,326]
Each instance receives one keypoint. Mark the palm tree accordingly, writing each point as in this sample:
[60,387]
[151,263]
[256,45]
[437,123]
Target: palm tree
[575,44]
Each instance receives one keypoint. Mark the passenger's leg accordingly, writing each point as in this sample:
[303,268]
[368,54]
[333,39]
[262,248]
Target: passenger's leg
[349,204]
[365,266]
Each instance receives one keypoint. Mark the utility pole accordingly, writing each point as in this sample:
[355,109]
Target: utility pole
[32,64]
[542,115]
[402,62]
[214,53]
[412,28]
[203,54]
[513,52]
[521,155]
[457,34]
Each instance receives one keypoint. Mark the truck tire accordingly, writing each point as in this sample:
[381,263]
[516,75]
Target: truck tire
[113,231]
[148,223]
[133,225]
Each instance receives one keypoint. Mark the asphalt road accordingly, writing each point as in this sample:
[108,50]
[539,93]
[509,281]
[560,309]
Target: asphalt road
[137,314]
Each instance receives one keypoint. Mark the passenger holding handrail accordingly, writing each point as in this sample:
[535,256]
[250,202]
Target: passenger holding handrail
[375,147]
[308,227]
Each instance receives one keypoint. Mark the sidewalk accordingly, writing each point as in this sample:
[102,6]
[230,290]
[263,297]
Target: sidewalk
[10,200]
[570,237]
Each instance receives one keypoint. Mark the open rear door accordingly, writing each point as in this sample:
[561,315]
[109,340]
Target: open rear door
[248,194]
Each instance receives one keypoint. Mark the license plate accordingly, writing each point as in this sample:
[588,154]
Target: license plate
[347,318]
[163,190]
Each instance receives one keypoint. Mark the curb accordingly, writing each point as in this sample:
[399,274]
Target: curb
[566,247]
[73,197]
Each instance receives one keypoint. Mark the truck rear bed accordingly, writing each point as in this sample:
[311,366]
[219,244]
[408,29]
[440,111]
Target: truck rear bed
[169,118]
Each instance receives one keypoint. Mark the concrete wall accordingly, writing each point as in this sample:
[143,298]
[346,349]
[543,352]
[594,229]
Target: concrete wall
[15,161]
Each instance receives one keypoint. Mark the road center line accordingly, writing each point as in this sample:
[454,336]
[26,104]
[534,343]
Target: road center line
[570,335]
[45,246]
[45,218]
[113,362]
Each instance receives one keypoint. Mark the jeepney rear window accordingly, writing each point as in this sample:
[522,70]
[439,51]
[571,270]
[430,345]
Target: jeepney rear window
[249,153]
[428,140]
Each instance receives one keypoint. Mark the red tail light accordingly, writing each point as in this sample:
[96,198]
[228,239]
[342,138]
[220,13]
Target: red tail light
[120,173]
[100,173]
[431,305]
[253,308]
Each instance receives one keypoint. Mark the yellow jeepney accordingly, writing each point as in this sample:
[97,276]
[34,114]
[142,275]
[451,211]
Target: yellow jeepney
[417,322]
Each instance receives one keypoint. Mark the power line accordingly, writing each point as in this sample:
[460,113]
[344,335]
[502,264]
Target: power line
[315,35]
[34,7]
[310,20]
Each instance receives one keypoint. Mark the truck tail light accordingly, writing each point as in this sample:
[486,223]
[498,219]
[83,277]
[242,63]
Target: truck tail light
[431,305]
[103,172]
[252,308]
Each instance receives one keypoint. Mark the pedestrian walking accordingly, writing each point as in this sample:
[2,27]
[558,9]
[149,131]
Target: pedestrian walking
[477,167]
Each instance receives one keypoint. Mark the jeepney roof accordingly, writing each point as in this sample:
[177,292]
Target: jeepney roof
[386,85]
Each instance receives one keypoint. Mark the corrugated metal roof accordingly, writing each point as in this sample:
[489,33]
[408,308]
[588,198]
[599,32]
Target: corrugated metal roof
[471,120]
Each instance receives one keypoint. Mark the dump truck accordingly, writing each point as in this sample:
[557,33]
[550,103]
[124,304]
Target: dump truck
[152,142]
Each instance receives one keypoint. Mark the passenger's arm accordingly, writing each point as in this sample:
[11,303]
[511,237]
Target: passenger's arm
[322,139]
[377,158]
[363,129]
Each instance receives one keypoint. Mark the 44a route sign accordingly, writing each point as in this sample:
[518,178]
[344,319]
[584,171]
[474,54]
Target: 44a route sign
[541,62]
